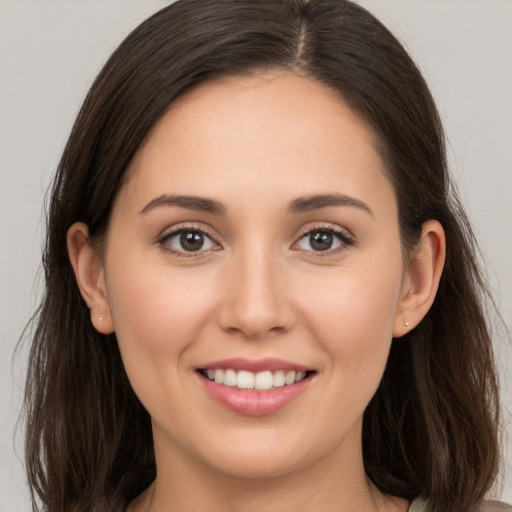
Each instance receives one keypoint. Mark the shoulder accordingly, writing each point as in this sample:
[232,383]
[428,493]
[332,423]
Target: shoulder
[495,506]
[420,505]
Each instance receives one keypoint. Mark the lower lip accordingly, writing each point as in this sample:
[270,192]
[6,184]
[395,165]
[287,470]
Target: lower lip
[255,403]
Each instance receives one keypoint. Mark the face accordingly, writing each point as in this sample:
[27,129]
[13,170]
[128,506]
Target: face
[253,271]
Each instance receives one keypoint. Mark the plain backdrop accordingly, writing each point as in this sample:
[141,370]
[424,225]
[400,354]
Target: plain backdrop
[50,52]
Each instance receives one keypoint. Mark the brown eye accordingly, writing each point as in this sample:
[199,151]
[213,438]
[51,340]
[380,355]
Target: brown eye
[323,240]
[188,240]
[192,240]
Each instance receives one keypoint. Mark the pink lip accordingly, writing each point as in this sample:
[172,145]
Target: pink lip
[255,365]
[254,403]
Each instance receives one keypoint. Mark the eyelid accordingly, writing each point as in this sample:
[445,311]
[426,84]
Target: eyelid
[346,237]
[174,230]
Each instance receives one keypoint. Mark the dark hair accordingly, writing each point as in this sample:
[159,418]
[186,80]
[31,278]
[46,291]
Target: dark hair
[431,428]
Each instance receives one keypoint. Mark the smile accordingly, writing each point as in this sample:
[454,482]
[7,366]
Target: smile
[247,380]
[255,387]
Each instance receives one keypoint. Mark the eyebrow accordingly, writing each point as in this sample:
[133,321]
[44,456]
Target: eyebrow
[196,203]
[308,203]
[299,205]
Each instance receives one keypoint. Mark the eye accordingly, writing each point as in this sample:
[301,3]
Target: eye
[322,240]
[188,241]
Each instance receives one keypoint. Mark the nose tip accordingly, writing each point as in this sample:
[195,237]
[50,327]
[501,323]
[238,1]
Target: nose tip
[254,303]
[252,319]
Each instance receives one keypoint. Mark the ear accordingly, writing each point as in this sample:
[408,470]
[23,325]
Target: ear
[90,276]
[422,278]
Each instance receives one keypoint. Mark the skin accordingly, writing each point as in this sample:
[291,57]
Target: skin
[258,289]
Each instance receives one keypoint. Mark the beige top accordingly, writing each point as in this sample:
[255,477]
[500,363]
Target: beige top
[420,505]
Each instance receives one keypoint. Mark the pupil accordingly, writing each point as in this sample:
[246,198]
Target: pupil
[321,240]
[191,240]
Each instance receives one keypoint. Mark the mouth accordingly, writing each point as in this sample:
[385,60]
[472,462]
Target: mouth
[246,380]
[255,387]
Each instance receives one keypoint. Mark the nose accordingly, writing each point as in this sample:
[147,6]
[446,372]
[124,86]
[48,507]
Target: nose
[254,300]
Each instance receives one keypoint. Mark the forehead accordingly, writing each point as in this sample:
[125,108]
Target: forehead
[256,103]
[249,132]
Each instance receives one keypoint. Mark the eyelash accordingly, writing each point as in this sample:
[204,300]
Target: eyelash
[345,240]
[163,241]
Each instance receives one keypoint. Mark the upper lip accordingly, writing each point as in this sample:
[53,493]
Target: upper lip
[255,365]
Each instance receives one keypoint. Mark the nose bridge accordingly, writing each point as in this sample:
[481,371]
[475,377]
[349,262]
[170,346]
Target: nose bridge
[254,301]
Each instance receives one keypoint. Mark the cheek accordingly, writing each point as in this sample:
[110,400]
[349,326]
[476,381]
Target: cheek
[154,306]
[354,318]
[157,314]
[158,317]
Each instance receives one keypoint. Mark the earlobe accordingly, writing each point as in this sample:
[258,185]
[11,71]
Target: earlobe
[89,273]
[423,276]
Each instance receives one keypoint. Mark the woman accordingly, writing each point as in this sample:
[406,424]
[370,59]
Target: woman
[261,293]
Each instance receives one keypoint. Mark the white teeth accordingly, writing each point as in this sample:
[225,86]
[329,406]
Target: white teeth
[230,378]
[278,379]
[260,381]
[299,376]
[289,378]
[245,380]
[263,380]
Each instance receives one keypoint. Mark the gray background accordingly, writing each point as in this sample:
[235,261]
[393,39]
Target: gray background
[51,50]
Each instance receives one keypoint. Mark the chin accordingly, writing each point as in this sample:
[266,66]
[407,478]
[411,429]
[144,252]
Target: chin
[265,453]
[260,466]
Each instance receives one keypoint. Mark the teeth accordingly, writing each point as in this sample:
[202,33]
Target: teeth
[278,379]
[244,380]
[230,378]
[289,378]
[299,376]
[261,381]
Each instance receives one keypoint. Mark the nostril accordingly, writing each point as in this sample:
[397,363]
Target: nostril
[255,320]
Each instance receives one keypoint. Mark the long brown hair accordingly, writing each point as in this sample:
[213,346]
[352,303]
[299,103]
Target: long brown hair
[431,428]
